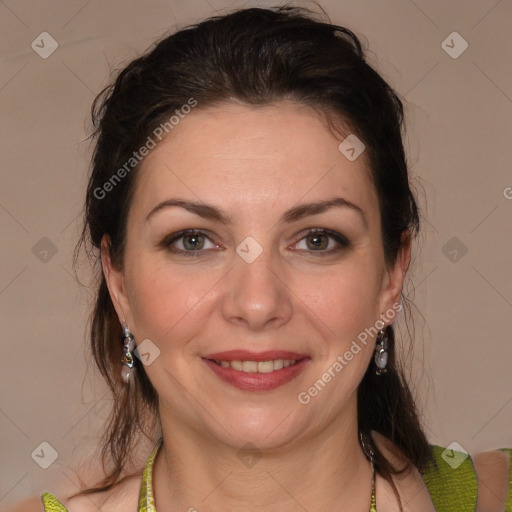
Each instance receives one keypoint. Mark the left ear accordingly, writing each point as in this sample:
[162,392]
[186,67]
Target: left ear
[394,276]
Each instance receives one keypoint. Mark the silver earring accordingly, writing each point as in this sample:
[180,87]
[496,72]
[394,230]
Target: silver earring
[127,359]
[381,353]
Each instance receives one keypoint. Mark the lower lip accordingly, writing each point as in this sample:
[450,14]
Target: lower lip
[257,381]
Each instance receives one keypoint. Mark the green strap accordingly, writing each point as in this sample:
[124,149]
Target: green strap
[508,503]
[51,503]
[451,480]
[146,498]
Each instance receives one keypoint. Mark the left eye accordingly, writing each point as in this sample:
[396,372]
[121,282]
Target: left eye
[321,240]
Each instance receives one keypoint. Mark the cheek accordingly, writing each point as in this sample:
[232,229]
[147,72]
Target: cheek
[167,303]
[345,308]
[346,298]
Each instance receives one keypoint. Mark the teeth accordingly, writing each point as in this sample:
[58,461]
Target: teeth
[265,366]
[249,366]
[237,365]
[278,364]
[257,366]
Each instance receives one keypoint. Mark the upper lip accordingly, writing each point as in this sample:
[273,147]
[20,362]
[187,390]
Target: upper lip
[246,355]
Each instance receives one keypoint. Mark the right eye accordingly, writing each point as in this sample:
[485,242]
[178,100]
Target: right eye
[189,242]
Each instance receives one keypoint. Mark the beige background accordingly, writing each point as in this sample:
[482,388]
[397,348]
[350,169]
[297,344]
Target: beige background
[459,142]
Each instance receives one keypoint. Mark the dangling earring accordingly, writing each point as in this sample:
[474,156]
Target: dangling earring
[127,359]
[381,354]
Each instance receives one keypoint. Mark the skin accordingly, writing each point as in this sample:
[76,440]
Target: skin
[256,163]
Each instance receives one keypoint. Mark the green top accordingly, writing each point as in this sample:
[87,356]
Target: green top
[451,482]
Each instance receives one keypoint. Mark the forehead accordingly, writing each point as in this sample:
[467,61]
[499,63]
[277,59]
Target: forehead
[251,157]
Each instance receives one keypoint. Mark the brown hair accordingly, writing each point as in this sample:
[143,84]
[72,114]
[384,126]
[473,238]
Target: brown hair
[257,57]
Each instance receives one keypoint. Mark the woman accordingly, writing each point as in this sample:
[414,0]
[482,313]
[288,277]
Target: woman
[251,203]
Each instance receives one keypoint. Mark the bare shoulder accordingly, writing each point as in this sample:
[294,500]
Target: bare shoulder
[413,491]
[124,497]
[492,469]
[32,504]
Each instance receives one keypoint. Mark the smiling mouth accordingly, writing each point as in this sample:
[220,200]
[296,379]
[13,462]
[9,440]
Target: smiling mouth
[257,366]
[257,371]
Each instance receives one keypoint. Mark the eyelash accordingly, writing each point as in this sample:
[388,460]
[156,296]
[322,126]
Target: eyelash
[341,240]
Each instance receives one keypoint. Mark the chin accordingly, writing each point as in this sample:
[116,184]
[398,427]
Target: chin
[264,429]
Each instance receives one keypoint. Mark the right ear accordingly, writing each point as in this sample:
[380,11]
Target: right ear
[114,278]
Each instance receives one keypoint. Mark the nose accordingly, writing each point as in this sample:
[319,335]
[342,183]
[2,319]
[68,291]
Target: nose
[257,295]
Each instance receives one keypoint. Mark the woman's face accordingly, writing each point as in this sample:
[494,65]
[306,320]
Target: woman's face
[252,285]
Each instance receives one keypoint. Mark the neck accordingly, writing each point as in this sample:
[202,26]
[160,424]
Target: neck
[328,471]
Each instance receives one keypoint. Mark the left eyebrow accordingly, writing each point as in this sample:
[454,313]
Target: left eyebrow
[294,214]
[303,210]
